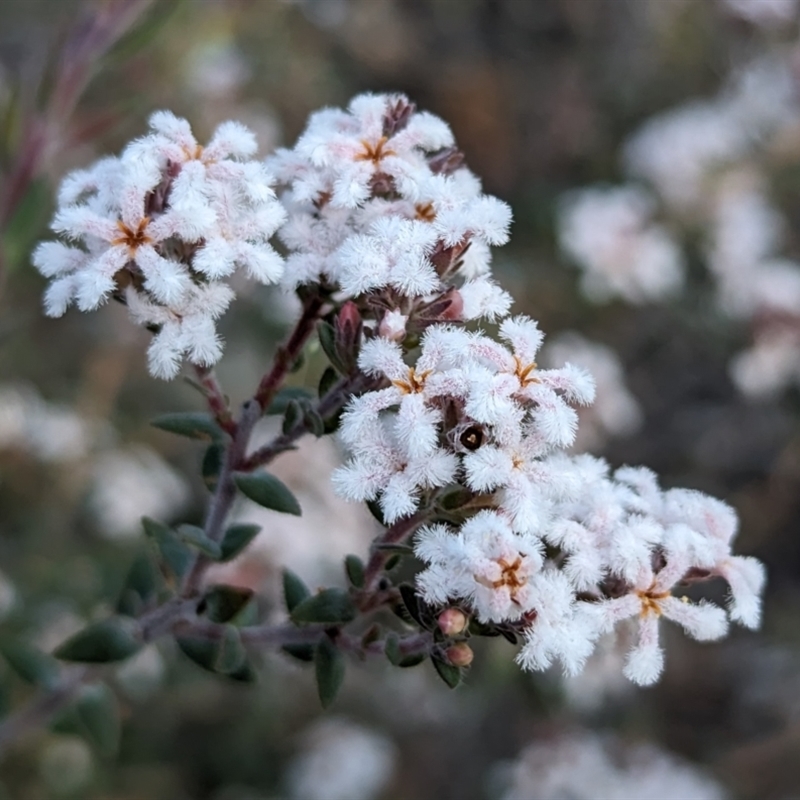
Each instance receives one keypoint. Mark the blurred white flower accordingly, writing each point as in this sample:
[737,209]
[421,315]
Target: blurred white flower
[586,767]
[341,761]
[764,13]
[609,233]
[48,431]
[131,483]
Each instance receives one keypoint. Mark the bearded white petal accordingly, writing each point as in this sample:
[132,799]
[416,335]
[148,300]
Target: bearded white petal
[645,661]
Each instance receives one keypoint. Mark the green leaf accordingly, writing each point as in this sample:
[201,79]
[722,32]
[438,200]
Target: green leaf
[231,654]
[294,590]
[329,605]
[302,652]
[313,421]
[327,339]
[139,588]
[377,513]
[113,639]
[282,399]
[173,555]
[328,380]
[267,491]
[293,416]
[194,424]
[217,656]
[354,567]
[196,537]
[202,651]
[412,604]
[213,459]
[448,673]
[329,667]
[222,603]
[98,714]
[236,539]
[454,497]
[31,664]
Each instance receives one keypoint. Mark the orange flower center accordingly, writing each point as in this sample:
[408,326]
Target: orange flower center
[523,372]
[509,576]
[651,601]
[133,238]
[375,153]
[414,383]
[425,212]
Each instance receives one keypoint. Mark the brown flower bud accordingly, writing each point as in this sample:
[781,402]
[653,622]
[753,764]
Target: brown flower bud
[452,621]
[460,655]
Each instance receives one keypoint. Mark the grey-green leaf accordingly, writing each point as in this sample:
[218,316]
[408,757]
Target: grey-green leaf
[113,639]
[294,590]
[236,538]
[222,603]
[329,667]
[31,664]
[231,654]
[98,714]
[329,605]
[354,567]
[196,537]
[267,491]
[282,399]
[173,555]
[194,424]
[448,673]
[212,465]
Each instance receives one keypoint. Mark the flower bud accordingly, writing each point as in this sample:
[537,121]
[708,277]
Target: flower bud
[393,326]
[460,655]
[347,329]
[452,621]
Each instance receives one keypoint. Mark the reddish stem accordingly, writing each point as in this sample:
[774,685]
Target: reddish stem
[288,353]
[217,402]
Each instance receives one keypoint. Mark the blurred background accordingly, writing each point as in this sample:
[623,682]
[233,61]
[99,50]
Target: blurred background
[650,150]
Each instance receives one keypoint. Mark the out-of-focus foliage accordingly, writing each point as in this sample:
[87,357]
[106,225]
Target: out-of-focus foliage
[540,96]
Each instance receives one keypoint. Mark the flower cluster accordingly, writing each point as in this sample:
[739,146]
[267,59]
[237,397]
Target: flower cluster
[460,434]
[159,228]
[380,203]
[618,547]
[470,407]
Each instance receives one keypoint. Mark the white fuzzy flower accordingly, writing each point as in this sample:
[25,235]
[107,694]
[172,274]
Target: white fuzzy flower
[158,227]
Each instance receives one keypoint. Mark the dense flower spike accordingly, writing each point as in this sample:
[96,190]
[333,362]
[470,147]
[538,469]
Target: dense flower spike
[158,228]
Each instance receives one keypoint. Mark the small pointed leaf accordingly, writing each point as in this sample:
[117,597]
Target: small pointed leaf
[327,339]
[328,380]
[267,491]
[282,399]
[354,567]
[212,465]
[448,673]
[194,424]
[202,651]
[329,667]
[293,415]
[140,586]
[302,652]
[98,714]
[173,555]
[294,590]
[113,639]
[196,537]
[231,654]
[236,539]
[222,603]
[31,664]
[329,605]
